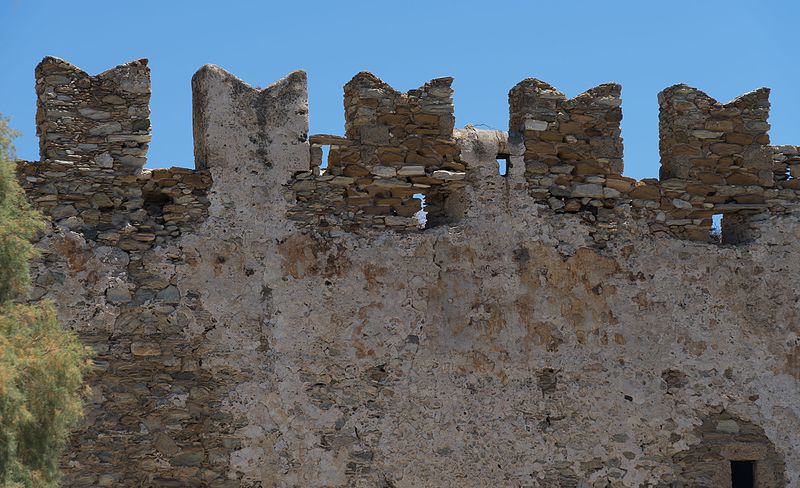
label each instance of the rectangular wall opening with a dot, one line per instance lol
(716, 228)
(318, 154)
(324, 163)
(743, 474)
(503, 163)
(421, 215)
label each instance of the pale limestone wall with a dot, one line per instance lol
(517, 347)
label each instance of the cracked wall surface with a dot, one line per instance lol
(519, 345)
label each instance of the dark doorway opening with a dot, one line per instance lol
(743, 474)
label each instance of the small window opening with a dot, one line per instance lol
(732, 228)
(716, 228)
(743, 474)
(502, 164)
(324, 164)
(421, 215)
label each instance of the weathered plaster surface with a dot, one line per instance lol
(509, 349)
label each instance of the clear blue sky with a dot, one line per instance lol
(725, 48)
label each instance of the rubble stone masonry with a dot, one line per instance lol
(271, 319)
(399, 148)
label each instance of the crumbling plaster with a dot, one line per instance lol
(508, 349)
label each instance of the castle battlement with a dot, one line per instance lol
(401, 149)
(100, 121)
(405, 315)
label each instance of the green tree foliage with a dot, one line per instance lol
(18, 224)
(41, 365)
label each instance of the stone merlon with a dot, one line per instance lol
(406, 314)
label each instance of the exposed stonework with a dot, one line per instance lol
(94, 132)
(101, 120)
(715, 143)
(253, 329)
(399, 147)
(568, 141)
(716, 159)
(724, 438)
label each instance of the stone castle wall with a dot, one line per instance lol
(262, 320)
(398, 146)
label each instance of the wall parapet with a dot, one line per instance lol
(257, 318)
(701, 138)
(399, 149)
(94, 133)
(100, 121)
(715, 160)
(399, 162)
(567, 140)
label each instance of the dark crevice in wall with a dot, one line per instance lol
(154, 203)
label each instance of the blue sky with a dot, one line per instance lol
(725, 48)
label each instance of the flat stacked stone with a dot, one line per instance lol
(233, 349)
(701, 138)
(397, 146)
(93, 133)
(94, 121)
(716, 159)
(786, 166)
(571, 146)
